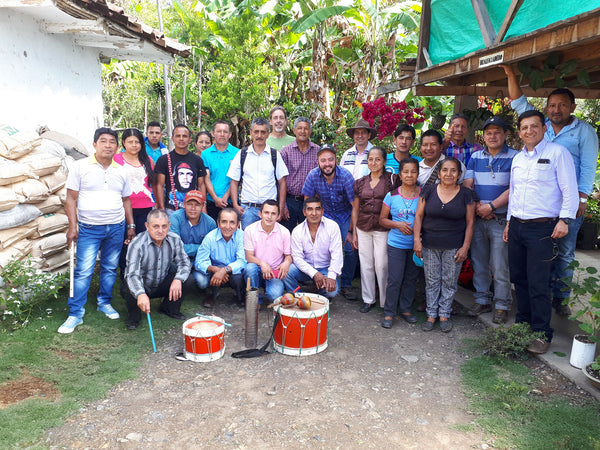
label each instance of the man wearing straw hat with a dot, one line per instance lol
(150, 273)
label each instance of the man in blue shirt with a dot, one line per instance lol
(221, 258)
(217, 159)
(404, 138)
(154, 148)
(334, 185)
(581, 140)
(542, 202)
(192, 226)
(488, 174)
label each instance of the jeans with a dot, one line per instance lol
(250, 215)
(108, 239)
(295, 208)
(372, 251)
(213, 210)
(273, 287)
(489, 251)
(566, 254)
(530, 252)
(350, 255)
(441, 280)
(134, 314)
(236, 282)
(296, 276)
(402, 281)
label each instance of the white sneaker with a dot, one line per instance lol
(110, 312)
(69, 325)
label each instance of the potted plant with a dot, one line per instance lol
(588, 233)
(585, 302)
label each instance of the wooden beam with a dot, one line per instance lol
(81, 26)
(496, 91)
(24, 3)
(110, 42)
(424, 33)
(485, 23)
(403, 83)
(508, 19)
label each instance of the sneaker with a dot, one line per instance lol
(500, 316)
(69, 325)
(478, 308)
(538, 346)
(427, 325)
(366, 307)
(110, 312)
(560, 308)
(445, 326)
(387, 323)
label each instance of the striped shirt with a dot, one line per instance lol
(148, 264)
(299, 165)
(356, 162)
(491, 174)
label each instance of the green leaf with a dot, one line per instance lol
(524, 67)
(561, 354)
(568, 67)
(587, 328)
(591, 270)
(536, 80)
(552, 60)
(316, 17)
(559, 81)
(583, 78)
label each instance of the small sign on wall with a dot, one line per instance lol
(490, 60)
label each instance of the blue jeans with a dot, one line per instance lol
(273, 287)
(530, 252)
(401, 282)
(108, 239)
(202, 281)
(296, 276)
(350, 255)
(441, 280)
(250, 215)
(295, 208)
(566, 254)
(488, 250)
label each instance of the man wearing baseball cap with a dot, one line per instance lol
(488, 174)
(192, 225)
(334, 185)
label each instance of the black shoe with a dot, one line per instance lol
(560, 308)
(132, 326)
(172, 315)
(387, 323)
(366, 307)
(348, 293)
(409, 318)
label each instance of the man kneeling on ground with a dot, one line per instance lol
(221, 259)
(316, 250)
(157, 266)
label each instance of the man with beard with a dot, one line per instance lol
(178, 172)
(334, 185)
(300, 157)
(582, 142)
(216, 159)
(278, 122)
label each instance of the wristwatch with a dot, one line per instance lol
(566, 220)
(582, 199)
(492, 206)
(228, 270)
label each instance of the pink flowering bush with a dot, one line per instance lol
(385, 118)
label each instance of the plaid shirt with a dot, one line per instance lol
(299, 165)
(336, 197)
(464, 152)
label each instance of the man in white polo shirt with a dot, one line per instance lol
(97, 206)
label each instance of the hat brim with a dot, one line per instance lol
(350, 131)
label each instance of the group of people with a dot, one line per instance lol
(283, 211)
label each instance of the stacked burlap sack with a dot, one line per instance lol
(33, 222)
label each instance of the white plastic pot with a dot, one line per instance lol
(582, 353)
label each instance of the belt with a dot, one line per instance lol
(498, 217)
(299, 198)
(537, 220)
(253, 205)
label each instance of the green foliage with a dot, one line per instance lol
(552, 67)
(585, 300)
(23, 288)
(502, 393)
(508, 342)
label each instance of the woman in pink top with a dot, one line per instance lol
(140, 171)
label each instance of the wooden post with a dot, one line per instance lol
(200, 93)
(168, 103)
(183, 111)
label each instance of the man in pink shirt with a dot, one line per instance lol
(268, 251)
(316, 250)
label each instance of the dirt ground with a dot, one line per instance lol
(372, 388)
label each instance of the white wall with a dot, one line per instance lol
(47, 79)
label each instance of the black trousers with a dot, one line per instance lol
(236, 282)
(134, 314)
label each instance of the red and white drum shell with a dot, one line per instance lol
(204, 339)
(302, 332)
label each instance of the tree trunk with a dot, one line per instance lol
(199, 94)
(318, 83)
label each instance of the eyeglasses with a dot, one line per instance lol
(554, 249)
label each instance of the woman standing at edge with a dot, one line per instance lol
(443, 230)
(368, 236)
(140, 172)
(402, 271)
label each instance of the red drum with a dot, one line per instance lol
(301, 332)
(204, 339)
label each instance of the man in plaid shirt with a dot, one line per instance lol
(455, 139)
